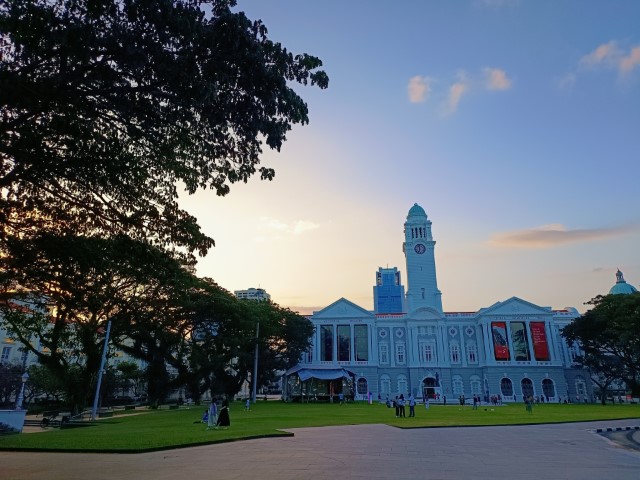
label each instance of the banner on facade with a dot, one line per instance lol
(500, 345)
(539, 337)
(520, 342)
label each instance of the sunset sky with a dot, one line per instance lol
(514, 124)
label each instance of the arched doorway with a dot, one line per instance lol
(548, 389)
(430, 388)
(527, 388)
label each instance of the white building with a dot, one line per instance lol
(409, 345)
(258, 294)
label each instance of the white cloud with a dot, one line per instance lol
(631, 61)
(496, 79)
(273, 228)
(456, 91)
(605, 54)
(567, 81)
(548, 236)
(418, 89)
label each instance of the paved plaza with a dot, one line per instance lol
(534, 452)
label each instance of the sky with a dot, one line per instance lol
(515, 124)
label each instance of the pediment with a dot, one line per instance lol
(515, 306)
(343, 308)
(425, 313)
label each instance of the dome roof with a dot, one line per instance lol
(416, 211)
(621, 287)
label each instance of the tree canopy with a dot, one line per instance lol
(109, 105)
(609, 335)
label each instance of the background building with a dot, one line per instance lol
(252, 294)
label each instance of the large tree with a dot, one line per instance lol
(108, 106)
(609, 335)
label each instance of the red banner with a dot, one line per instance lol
(539, 337)
(500, 345)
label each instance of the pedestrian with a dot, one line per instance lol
(341, 398)
(412, 406)
(426, 402)
(224, 420)
(444, 399)
(528, 402)
(247, 405)
(475, 402)
(212, 417)
(402, 405)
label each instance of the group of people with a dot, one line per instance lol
(215, 418)
(399, 404)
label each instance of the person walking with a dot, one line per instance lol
(426, 402)
(402, 405)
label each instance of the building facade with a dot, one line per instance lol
(409, 345)
(258, 294)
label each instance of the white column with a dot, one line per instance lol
(463, 351)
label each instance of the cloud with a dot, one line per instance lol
(549, 236)
(567, 81)
(418, 89)
(456, 91)
(631, 61)
(496, 79)
(273, 228)
(611, 56)
(606, 54)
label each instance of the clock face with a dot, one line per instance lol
(420, 249)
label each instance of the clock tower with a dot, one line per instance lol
(418, 250)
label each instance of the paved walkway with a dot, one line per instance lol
(563, 452)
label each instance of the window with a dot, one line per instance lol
(506, 387)
(476, 385)
(362, 386)
(548, 389)
(402, 385)
(326, 343)
(574, 351)
(458, 386)
(527, 387)
(6, 351)
(454, 353)
(385, 385)
(344, 343)
(383, 350)
(581, 387)
(361, 333)
(426, 352)
(401, 356)
(307, 357)
(472, 353)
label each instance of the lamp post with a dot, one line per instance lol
(24, 378)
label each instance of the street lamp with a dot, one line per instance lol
(24, 378)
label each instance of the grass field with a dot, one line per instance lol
(147, 430)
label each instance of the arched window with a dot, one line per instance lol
(458, 386)
(402, 385)
(362, 386)
(476, 385)
(454, 353)
(385, 385)
(472, 353)
(527, 387)
(506, 387)
(548, 389)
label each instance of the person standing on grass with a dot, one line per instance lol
(426, 402)
(341, 398)
(412, 406)
(223, 417)
(247, 405)
(212, 418)
(402, 404)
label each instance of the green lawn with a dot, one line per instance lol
(163, 429)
